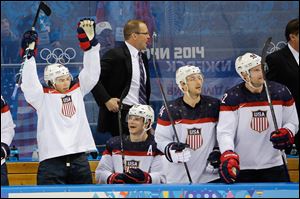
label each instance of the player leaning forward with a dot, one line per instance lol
(63, 131)
(246, 133)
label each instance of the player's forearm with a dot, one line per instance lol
(90, 73)
(31, 85)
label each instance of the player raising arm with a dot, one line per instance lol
(63, 132)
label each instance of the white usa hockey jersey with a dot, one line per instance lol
(7, 125)
(63, 127)
(143, 155)
(245, 124)
(196, 127)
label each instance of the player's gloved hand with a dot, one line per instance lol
(116, 178)
(214, 158)
(177, 152)
(229, 167)
(29, 40)
(86, 34)
(137, 176)
(282, 139)
(5, 151)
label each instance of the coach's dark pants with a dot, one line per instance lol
(274, 174)
(4, 179)
(69, 169)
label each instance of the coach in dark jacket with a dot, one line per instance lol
(124, 79)
(284, 65)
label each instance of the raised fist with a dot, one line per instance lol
(29, 43)
(86, 34)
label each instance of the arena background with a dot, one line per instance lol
(208, 34)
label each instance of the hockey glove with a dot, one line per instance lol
(214, 158)
(282, 139)
(229, 168)
(5, 151)
(177, 152)
(86, 34)
(116, 178)
(137, 176)
(29, 43)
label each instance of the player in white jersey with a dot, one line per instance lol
(246, 133)
(195, 116)
(7, 134)
(135, 159)
(63, 132)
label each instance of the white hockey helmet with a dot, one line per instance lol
(104, 25)
(245, 62)
(53, 71)
(144, 111)
(185, 71)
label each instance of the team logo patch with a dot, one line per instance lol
(194, 138)
(68, 108)
(259, 121)
(131, 164)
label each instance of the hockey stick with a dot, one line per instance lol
(154, 36)
(47, 11)
(121, 134)
(121, 129)
(263, 64)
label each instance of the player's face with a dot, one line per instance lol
(62, 83)
(256, 76)
(194, 83)
(135, 124)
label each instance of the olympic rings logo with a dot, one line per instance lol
(58, 55)
(276, 47)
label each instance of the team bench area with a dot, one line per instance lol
(24, 173)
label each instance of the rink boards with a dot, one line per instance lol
(241, 190)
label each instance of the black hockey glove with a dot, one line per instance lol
(86, 34)
(30, 41)
(214, 158)
(137, 176)
(282, 139)
(5, 151)
(116, 178)
(177, 152)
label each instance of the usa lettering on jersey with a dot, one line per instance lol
(131, 164)
(194, 138)
(259, 121)
(68, 108)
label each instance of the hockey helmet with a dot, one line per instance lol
(144, 111)
(245, 62)
(53, 71)
(185, 71)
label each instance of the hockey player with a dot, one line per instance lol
(7, 134)
(141, 161)
(63, 132)
(195, 116)
(245, 132)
